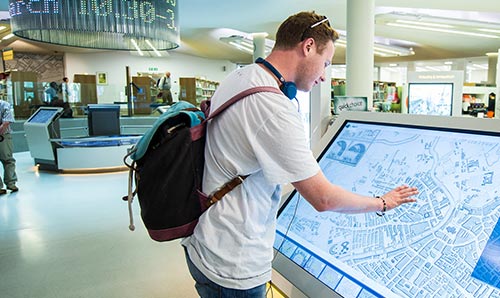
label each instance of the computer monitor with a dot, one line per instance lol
(103, 119)
(445, 245)
(430, 98)
(44, 115)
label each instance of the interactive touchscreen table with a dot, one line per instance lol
(445, 245)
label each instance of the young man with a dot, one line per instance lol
(230, 252)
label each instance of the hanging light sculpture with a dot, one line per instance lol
(98, 24)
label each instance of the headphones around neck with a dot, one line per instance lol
(288, 88)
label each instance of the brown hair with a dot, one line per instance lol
(297, 28)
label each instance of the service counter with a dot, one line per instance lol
(64, 144)
(93, 153)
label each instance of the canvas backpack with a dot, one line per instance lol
(166, 166)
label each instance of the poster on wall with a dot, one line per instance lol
(102, 78)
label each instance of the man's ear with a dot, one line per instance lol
(307, 45)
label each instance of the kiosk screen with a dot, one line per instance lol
(445, 245)
(43, 116)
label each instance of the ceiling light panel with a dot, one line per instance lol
(440, 24)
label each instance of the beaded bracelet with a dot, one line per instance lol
(384, 208)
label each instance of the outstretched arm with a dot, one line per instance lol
(325, 196)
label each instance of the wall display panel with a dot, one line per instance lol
(430, 98)
(445, 245)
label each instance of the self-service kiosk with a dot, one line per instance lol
(40, 128)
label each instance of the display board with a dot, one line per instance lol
(430, 98)
(445, 245)
(349, 103)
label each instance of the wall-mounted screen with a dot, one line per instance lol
(445, 245)
(103, 120)
(430, 98)
(44, 115)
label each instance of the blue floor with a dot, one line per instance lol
(66, 235)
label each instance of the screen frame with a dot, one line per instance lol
(452, 101)
(114, 120)
(56, 113)
(303, 280)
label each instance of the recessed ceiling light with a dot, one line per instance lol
(442, 30)
(10, 35)
(489, 30)
(425, 24)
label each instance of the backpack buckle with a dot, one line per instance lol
(220, 192)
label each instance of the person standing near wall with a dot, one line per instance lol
(7, 149)
(164, 86)
(51, 92)
(64, 89)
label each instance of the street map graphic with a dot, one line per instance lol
(445, 245)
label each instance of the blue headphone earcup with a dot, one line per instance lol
(289, 89)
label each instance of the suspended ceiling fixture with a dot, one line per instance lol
(114, 24)
(440, 24)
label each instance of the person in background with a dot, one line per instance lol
(64, 89)
(51, 92)
(231, 249)
(164, 85)
(7, 149)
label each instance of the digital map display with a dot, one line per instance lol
(445, 245)
(430, 98)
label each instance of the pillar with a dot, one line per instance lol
(492, 67)
(259, 45)
(497, 93)
(359, 52)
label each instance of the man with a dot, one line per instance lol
(230, 252)
(7, 149)
(64, 89)
(164, 85)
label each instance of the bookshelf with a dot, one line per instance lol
(195, 90)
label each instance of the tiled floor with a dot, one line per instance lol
(66, 235)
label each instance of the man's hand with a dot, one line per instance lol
(400, 195)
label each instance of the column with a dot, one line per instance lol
(492, 67)
(497, 94)
(259, 45)
(359, 52)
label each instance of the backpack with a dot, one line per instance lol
(167, 168)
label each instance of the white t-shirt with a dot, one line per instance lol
(261, 135)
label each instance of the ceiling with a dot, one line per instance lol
(202, 24)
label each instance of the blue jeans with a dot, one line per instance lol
(208, 289)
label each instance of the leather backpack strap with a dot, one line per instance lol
(220, 192)
(242, 95)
